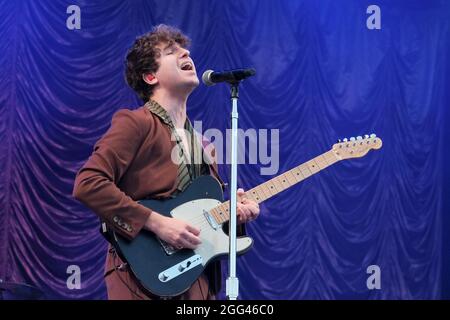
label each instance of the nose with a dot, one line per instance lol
(185, 53)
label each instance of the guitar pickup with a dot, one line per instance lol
(169, 249)
(212, 222)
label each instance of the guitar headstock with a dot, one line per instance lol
(356, 147)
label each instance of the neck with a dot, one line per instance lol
(174, 105)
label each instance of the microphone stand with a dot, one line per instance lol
(232, 282)
(233, 77)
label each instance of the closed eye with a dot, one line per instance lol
(170, 50)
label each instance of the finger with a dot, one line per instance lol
(245, 219)
(246, 215)
(192, 238)
(242, 211)
(254, 209)
(254, 215)
(252, 206)
(193, 230)
(240, 195)
(240, 215)
(247, 201)
(187, 244)
(246, 210)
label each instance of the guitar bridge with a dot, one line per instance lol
(169, 249)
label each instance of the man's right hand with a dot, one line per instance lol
(175, 232)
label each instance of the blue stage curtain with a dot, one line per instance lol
(321, 75)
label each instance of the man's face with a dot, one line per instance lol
(176, 69)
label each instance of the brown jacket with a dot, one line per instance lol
(132, 161)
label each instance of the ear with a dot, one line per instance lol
(150, 78)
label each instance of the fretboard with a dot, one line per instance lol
(278, 184)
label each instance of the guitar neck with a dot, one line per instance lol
(278, 184)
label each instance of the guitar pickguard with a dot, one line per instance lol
(214, 241)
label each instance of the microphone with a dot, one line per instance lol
(210, 77)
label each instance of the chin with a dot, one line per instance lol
(194, 82)
(189, 86)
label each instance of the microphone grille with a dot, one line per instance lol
(206, 78)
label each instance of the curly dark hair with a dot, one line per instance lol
(141, 57)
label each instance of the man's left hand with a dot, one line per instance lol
(247, 210)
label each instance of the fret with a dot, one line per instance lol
(263, 193)
(221, 217)
(290, 178)
(295, 177)
(324, 160)
(251, 194)
(327, 161)
(266, 190)
(305, 171)
(329, 158)
(254, 195)
(259, 191)
(320, 166)
(269, 190)
(276, 184)
(227, 211)
(321, 163)
(312, 166)
(284, 181)
(272, 187)
(213, 212)
(298, 173)
(333, 157)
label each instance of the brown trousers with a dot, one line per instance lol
(121, 284)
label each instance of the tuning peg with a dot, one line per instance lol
(366, 136)
(358, 138)
(339, 141)
(345, 140)
(352, 139)
(373, 135)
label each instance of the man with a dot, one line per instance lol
(134, 160)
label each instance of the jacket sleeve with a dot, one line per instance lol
(96, 184)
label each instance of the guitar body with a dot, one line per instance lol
(161, 269)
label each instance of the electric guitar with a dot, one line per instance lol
(165, 271)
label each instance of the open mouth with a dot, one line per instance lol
(187, 66)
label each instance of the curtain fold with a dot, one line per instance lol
(321, 75)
